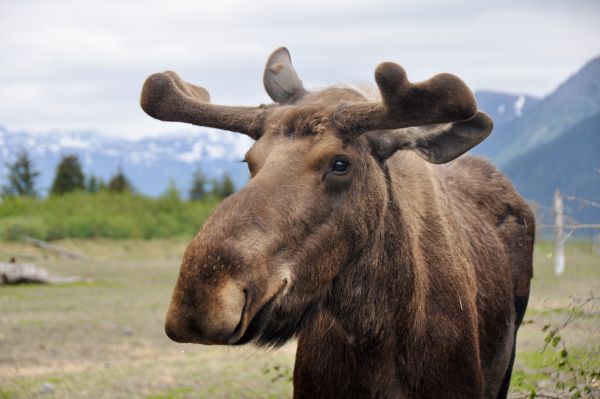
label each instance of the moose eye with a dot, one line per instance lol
(340, 166)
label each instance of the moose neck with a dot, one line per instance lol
(402, 303)
(384, 287)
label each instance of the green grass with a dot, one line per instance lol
(7, 394)
(104, 214)
(522, 381)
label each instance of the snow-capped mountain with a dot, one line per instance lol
(149, 162)
(504, 107)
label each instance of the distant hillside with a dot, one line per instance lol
(573, 101)
(571, 162)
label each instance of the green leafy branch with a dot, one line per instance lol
(573, 379)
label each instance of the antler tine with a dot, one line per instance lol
(167, 97)
(442, 99)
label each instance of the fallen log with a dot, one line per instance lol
(19, 273)
(53, 248)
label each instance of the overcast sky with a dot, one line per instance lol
(79, 65)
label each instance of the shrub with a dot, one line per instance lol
(14, 228)
(104, 214)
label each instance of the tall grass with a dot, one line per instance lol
(104, 214)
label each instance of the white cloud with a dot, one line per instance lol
(80, 65)
(73, 142)
(194, 155)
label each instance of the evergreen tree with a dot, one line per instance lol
(119, 183)
(223, 188)
(69, 176)
(21, 177)
(94, 184)
(215, 188)
(198, 189)
(227, 187)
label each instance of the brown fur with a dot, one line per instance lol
(400, 278)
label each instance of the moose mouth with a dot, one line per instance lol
(251, 325)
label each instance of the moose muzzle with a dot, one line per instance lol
(206, 315)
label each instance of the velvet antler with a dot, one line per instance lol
(435, 143)
(167, 97)
(443, 98)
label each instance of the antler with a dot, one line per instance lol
(443, 98)
(435, 143)
(167, 97)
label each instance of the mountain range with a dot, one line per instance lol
(540, 143)
(571, 162)
(573, 101)
(553, 143)
(150, 163)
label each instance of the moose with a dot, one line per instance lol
(402, 268)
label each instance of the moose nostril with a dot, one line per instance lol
(239, 329)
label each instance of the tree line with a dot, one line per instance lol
(69, 177)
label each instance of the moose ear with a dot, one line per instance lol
(434, 143)
(280, 79)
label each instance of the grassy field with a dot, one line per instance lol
(103, 338)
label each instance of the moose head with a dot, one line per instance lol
(266, 262)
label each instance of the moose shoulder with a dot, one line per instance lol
(402, 274)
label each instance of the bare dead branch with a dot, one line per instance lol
(64, 253)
